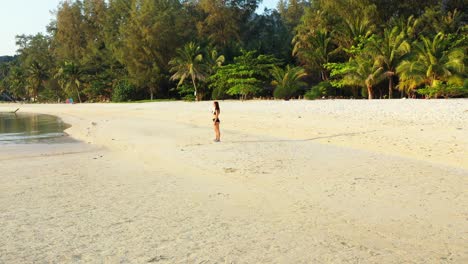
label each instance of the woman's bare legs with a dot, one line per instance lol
(217, 133)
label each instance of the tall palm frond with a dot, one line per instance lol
(69, 76)
(287, 81)
(363, 71)
(189, 64)
(433, 61)
(316, 50)
(213, 59)
(36, 74)
(389, 51)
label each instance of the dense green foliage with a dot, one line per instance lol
(123, 91)
(320, 90)
(287, 81)
(128, 50)
(246, 77)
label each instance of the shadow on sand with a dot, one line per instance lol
(301, 140)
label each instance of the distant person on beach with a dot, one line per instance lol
(216, 112)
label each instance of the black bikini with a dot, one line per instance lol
(216, 120)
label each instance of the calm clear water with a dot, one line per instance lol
(31, 128)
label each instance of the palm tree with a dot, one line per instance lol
(363, 71)
(69, 76)
(355, 28)
(408, 26)
(389, 52)
(213, 60)
(433, 61)
(354, 23)
(36, 74)
(287, 81)
(189, 64)
(412, 75)
(315, 50)
(16, 80)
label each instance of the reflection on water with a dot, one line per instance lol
(30, 128)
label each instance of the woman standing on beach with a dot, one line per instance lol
(216, 112)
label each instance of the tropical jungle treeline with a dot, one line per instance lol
(124, 50)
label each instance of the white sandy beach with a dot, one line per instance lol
(336, 181)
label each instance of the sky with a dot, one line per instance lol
(266, 3)
(23, 17)
(32, 16)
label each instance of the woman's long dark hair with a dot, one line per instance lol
(217, 106)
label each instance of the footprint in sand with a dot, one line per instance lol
(229, 170)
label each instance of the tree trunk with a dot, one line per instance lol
(324, 75)
(390, 87)
(197, 95)
(79, 97)
(35, 93)
(78, 93)
(151, 94)
(370, 92)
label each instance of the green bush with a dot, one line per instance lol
(51, 92)
(219, 93)
(364, 93)
(97, 91)
(48, 95)
(444, 90)
(312, 94)
(186, 92)
(319, 90)
(284, 92)
(123, 91)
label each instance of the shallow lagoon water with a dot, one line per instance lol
(31, 128)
